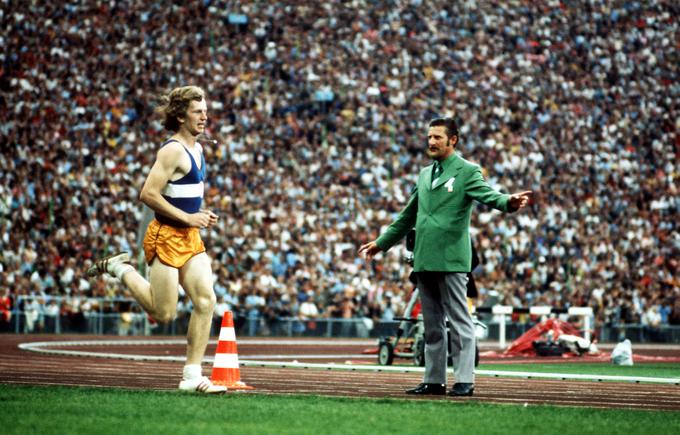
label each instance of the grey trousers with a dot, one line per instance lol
(444, 295)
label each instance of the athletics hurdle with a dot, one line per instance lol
(503, 311)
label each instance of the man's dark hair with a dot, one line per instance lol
(448, 123)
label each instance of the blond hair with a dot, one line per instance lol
(175, 104)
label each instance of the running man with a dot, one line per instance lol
(172, 245)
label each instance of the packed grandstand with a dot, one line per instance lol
(317, 131)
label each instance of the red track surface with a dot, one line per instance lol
(24, 367)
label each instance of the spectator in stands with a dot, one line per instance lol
(309, 311)
(6, 306)
(221, 307)
(651, 320)
(308, 308)
(254, 305)
(674, 316)
(33, 315)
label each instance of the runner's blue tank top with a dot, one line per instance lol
(186, 193)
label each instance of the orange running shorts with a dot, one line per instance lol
(173, 246)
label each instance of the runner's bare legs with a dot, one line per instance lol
(159, 296)
(196, 278)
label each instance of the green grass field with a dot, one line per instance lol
(66, 410)
(647, 369)
(652, 370)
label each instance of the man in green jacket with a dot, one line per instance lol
(440, 209)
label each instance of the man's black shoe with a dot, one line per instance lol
(431, 389)
(461, 389)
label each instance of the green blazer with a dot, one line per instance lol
(440, 212)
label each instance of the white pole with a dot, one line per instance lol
(501, 311)
(586, 313)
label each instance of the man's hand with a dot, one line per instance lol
(202, 219)
(520, 200)
(369, 250)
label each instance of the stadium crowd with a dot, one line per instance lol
(317, 128)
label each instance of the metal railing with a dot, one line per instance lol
(105, 318)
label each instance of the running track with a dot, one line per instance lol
(24, 367)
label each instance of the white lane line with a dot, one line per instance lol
(44, 347)
(305, 356)
(184, 342)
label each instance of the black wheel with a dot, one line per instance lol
(385, 353)
(419, 353)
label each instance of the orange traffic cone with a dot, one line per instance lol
(225, 367)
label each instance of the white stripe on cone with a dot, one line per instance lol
(226, 361)
(227, 334)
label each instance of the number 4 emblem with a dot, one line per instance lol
(449, 184)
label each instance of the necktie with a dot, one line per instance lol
(436, 170)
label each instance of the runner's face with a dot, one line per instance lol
(196, 118)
